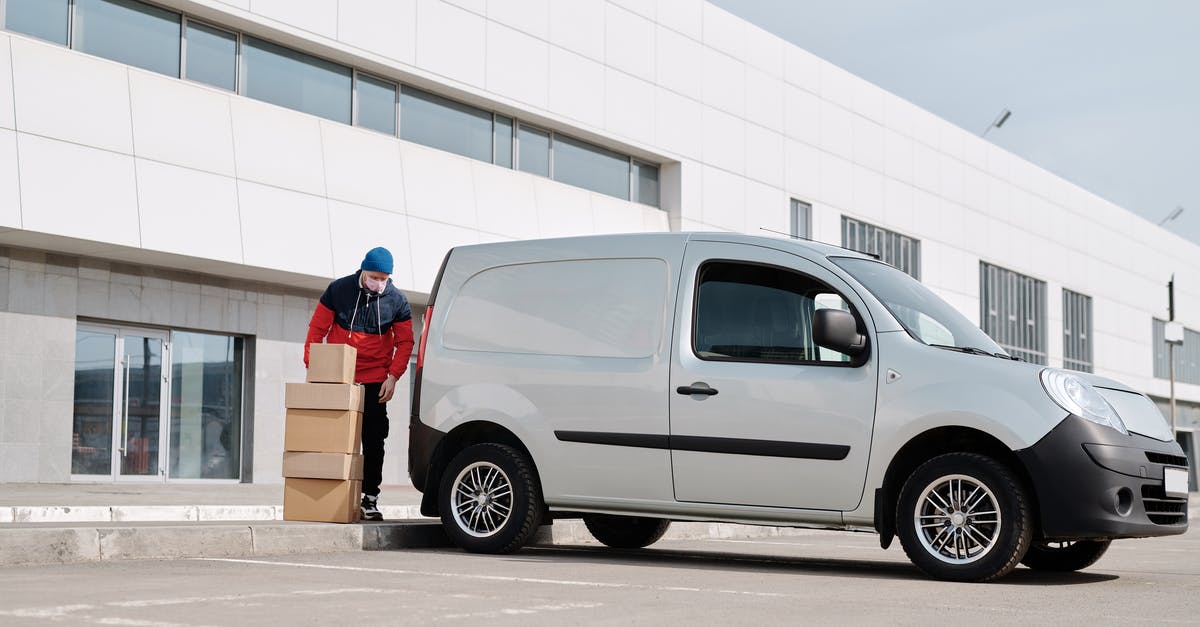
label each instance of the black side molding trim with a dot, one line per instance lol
(701, 444)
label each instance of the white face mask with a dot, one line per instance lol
(374, 285)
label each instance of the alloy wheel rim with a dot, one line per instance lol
(957, 519)
(482, 499)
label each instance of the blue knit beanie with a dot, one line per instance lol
(378, 259)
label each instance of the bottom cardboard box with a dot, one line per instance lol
(321, 500)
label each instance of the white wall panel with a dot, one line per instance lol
(724, 31)
(682, 16)
(837, 130)
(355, 229)
(764, 99)
(517, 65)
(837, 85)
(724, 200)
(451, 41)
(764, 155)
(898, 208)
(613, 215)
(504, 201)
(767, 207)
(10, 197)
(7, 119)
(315, 16)
(181, 123)
(802, 69)
(438, 185)
(926, 168)
(51, 84)
(579, 26)
(678, 124)
(868, 143)
(629, 42)
(868, 193)
(189, 212)
(528, 16)
(764, 51)
(562, 210)
(76, 191)
(868, 100)
(362, 166)
(898, 114)
(837, 181)
(950, 171)
(384, 28)
(284, 230)
(802, 115)
(276, 146)
(724, 82)
(575, 82)
(474, 6)
(724, 140)
(802, 172)
(679, 63)
(629, 106)
(897, 155)
(430, 241)
(655, 220)
(641, 7)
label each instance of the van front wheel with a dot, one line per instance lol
(490, 499)
(964, 517)
(626, 532)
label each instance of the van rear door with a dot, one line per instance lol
(759, 415)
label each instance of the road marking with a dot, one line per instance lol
(768, 542)
(524, 611)
(556, 582)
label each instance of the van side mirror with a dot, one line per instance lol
(838, 330)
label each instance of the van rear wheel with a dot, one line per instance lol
(625, 532)
(1064, 557)
(964, 517)
(490, 499)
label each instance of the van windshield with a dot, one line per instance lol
(926, 316)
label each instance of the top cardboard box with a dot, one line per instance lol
(323, 396)
(331, 363)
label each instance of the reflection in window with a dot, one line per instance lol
(91, 433)
(533, 151)
(206, 406)
(645, 181)
(503, 155)
(211, 56)
(441, 123)
(295, 80)
(129, 32)
(759, 313)
(591, 167)
(44, 19)
(376, 104)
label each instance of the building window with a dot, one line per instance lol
(801, 220)
(591, 167)
(533, 151)
(1013, 311)
(295, 80)
(901, 251)
(206, 406)
(645, 183)
(502, 141)
(1077, 331)
(210, 56)
(44, 19)
(375, 104)
(444, 124)
(1187, 356)
(130, 32)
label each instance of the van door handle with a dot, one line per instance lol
(696, 388)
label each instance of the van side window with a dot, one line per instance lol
(747, 312)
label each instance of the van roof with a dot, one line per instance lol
(826, 250)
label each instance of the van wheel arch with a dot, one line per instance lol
(461, 437)
(933, 443)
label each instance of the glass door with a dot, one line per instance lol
(120, 384)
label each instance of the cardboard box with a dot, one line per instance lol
(321, 500)
(337, 396)
(322, 466)
(322, 431)
(331, 363)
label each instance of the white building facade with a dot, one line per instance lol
(180, 179)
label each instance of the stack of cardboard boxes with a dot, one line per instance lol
(322, 467)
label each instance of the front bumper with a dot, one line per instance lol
(1092, 482)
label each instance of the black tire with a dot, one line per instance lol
(957, 497)
(491, 501)
(626, 532)
(1064, 557)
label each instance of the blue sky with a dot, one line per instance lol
(1104, 93)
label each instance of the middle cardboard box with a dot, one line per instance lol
(307, 465)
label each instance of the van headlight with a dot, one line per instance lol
(1077, 396)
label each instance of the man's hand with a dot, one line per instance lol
(387, 389)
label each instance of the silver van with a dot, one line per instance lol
(632, 380)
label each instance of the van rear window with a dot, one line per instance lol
(586, 308)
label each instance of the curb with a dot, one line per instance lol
(166, 513)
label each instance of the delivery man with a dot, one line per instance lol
(367, 312)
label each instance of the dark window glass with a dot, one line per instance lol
(295, 80)
(591, 167)
(503, 142)
(376, 104)
(91, 438)
(211, 56)
(44, 19)
(760, 313)
(533, 151)
(206, 406)
(899, 251)
(129, 32)
(645, 180)
(444, 124)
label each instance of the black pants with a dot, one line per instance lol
(374, 432)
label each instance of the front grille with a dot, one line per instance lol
(1162, 509)
(1163, 458)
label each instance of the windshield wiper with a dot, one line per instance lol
(973, 351)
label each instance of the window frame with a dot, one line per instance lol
(794, 210)
(1016, 339)
(854, 361)
(355, 73)
(237, 53)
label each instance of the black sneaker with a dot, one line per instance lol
(370, 508)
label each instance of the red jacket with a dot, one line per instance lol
(378, 325)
